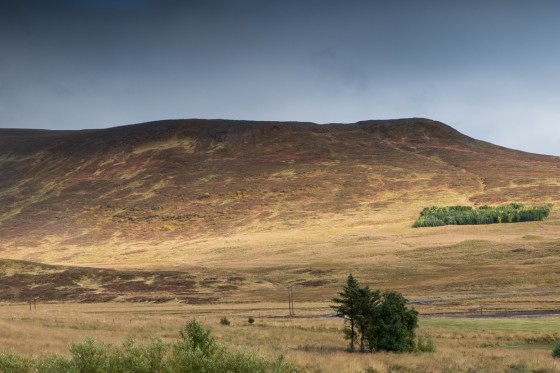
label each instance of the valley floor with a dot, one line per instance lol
(310, 340)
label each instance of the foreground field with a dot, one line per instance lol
(310, 340)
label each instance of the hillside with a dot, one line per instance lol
(245, 197)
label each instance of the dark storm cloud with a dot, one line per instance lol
(490, 69)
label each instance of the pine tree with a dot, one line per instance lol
(366, 308)
(347, 306)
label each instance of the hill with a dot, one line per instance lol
(234, 197)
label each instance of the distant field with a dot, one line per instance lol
(455, 262)
(549, 325)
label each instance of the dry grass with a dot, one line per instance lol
(256, 266)
(314, 343)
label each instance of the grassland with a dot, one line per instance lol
(167, 221)
(246, 275)
(309, 340)
(450, 262)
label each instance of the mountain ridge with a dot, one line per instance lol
(178, 181)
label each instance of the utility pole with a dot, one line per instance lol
(293, 312)
(290, 301)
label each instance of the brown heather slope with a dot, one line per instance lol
(275, 202)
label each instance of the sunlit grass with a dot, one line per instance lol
(529, 324)
(311, 341)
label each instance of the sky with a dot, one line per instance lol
(490, 69)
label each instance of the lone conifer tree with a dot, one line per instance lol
(347, 306)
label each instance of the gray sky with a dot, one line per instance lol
(490, 69)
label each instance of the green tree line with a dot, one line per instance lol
(465, 215)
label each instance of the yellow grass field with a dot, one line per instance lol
(313, 342)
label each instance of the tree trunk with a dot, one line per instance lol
(351, 334)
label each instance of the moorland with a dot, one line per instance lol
(134, 229)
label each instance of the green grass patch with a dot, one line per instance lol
(544, 324)
(530, 347)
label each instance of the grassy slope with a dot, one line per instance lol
(269, 204)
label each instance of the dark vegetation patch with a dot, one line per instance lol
(467, 215)
(312, 283)
(209, 282)
(22, 281)
(519, 250)
(226, 287)
(313, 272)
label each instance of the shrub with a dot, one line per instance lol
(90, 356)
(12, 363)
(197, 351)
(425, 344)
(139, 358)
(54, 363)
(556, 350)
(224, 321)
(195, 337)
(250, 320)
(394, 324)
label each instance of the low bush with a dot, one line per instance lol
(425, 344)
(225, 321)
(90, 356)
(556, 350)
(12, 363)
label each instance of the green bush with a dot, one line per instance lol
(197, 351)
(54, 363)
(394, 324)
(90, 356)
(250, 320)
(139, 358)
(556, 350)
(224, 321)
(12, 363)
(425, 344)
(195, 337)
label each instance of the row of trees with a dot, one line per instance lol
(375, 320)
(462, 215)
